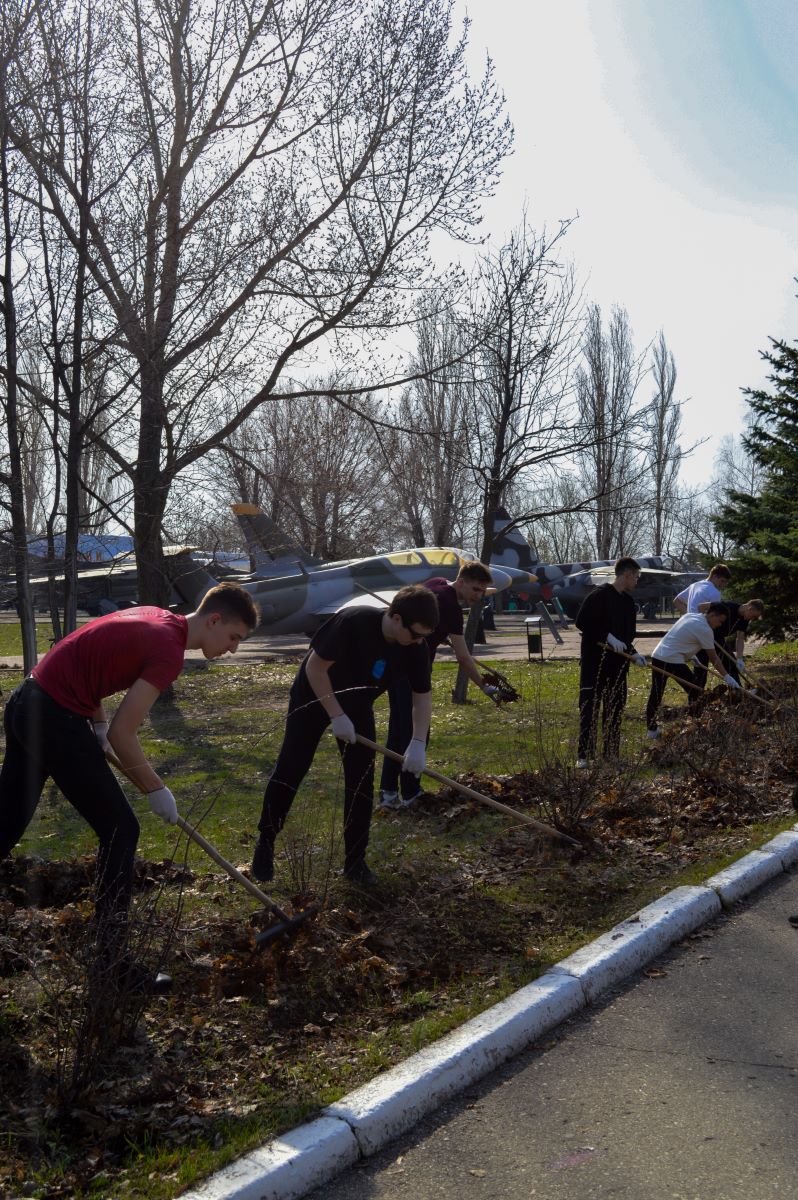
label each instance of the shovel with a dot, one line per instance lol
(285, 925)
(474, 795)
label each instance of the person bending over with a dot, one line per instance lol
(353, 658)
(56, 728)
(399, 787)
(692, 633)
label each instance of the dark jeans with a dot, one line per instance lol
(602, 694)
(304, 726)
(683, 675)
(400, 732)
(45, 740)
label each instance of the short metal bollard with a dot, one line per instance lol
(534, 637)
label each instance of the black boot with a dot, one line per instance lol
(263, 860)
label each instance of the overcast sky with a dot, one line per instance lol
(671, 128)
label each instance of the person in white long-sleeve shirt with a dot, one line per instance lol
(696, 598)
(691, 634)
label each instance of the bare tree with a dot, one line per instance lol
(254, 181)
(662, 420)
(426, 455)
(314, 466)
(609, 463)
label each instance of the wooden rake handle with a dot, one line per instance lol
(210, 850)
(681, 682)
(474, 795)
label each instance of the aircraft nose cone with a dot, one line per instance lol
(501, 579)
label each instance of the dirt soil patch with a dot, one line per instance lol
(252, 1041)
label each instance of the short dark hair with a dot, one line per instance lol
(721, 569)
(415, 603)
(626, 564)
(232, 603)
(475, 571)
(716, 609)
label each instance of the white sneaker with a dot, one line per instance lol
(581, 763)
(389, 800)
(653, 734)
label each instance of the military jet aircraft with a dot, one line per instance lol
(660, 578)
(298, 600)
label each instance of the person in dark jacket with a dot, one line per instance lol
(607, 618)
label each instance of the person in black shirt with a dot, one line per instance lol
(469, 588)
(730, 636)
(352, 659)
(607, 615)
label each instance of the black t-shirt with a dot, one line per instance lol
(606, 611)
(733, 624)
(450, 614)
(364, 663)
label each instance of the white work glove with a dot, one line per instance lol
(101, 734)
(163, 804)
(730, 681)
(415, 758)
(740, 664)
(640, 659)
(616, 644)
(343, 729)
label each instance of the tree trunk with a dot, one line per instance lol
(151, 492)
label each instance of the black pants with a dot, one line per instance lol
(683, 675)
(304, 726)
(400, 732)
(602, 694)
(45, 740)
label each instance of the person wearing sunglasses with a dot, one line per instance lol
(354, 657)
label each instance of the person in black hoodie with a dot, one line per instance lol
(607, 618)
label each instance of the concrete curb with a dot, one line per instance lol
(360, 1124)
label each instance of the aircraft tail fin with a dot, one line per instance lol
(510, 547)
(190, 582)
(270, 548)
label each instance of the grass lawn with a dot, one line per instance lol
(472, 904)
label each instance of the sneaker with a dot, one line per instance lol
(653, 734)
(263, 860)
(134, 977)
(361, 875)
(389, 800)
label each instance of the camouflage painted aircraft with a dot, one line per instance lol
(571, 582)
(298, 600)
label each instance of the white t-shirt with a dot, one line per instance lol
(685, 638)
(699, 593)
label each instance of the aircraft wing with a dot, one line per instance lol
(377, 599)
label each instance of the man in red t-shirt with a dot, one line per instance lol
(56, 728)
(398, 787)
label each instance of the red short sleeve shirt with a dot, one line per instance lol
(109, 654)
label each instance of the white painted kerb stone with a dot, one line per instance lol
(393, 1102)
(288, 1167)
(633, 943)
(745, 875)
(785, 845)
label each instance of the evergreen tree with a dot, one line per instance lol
(765, 527)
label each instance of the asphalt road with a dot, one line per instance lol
(681, 1086)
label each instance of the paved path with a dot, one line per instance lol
(507, 643)
(683, 1085)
